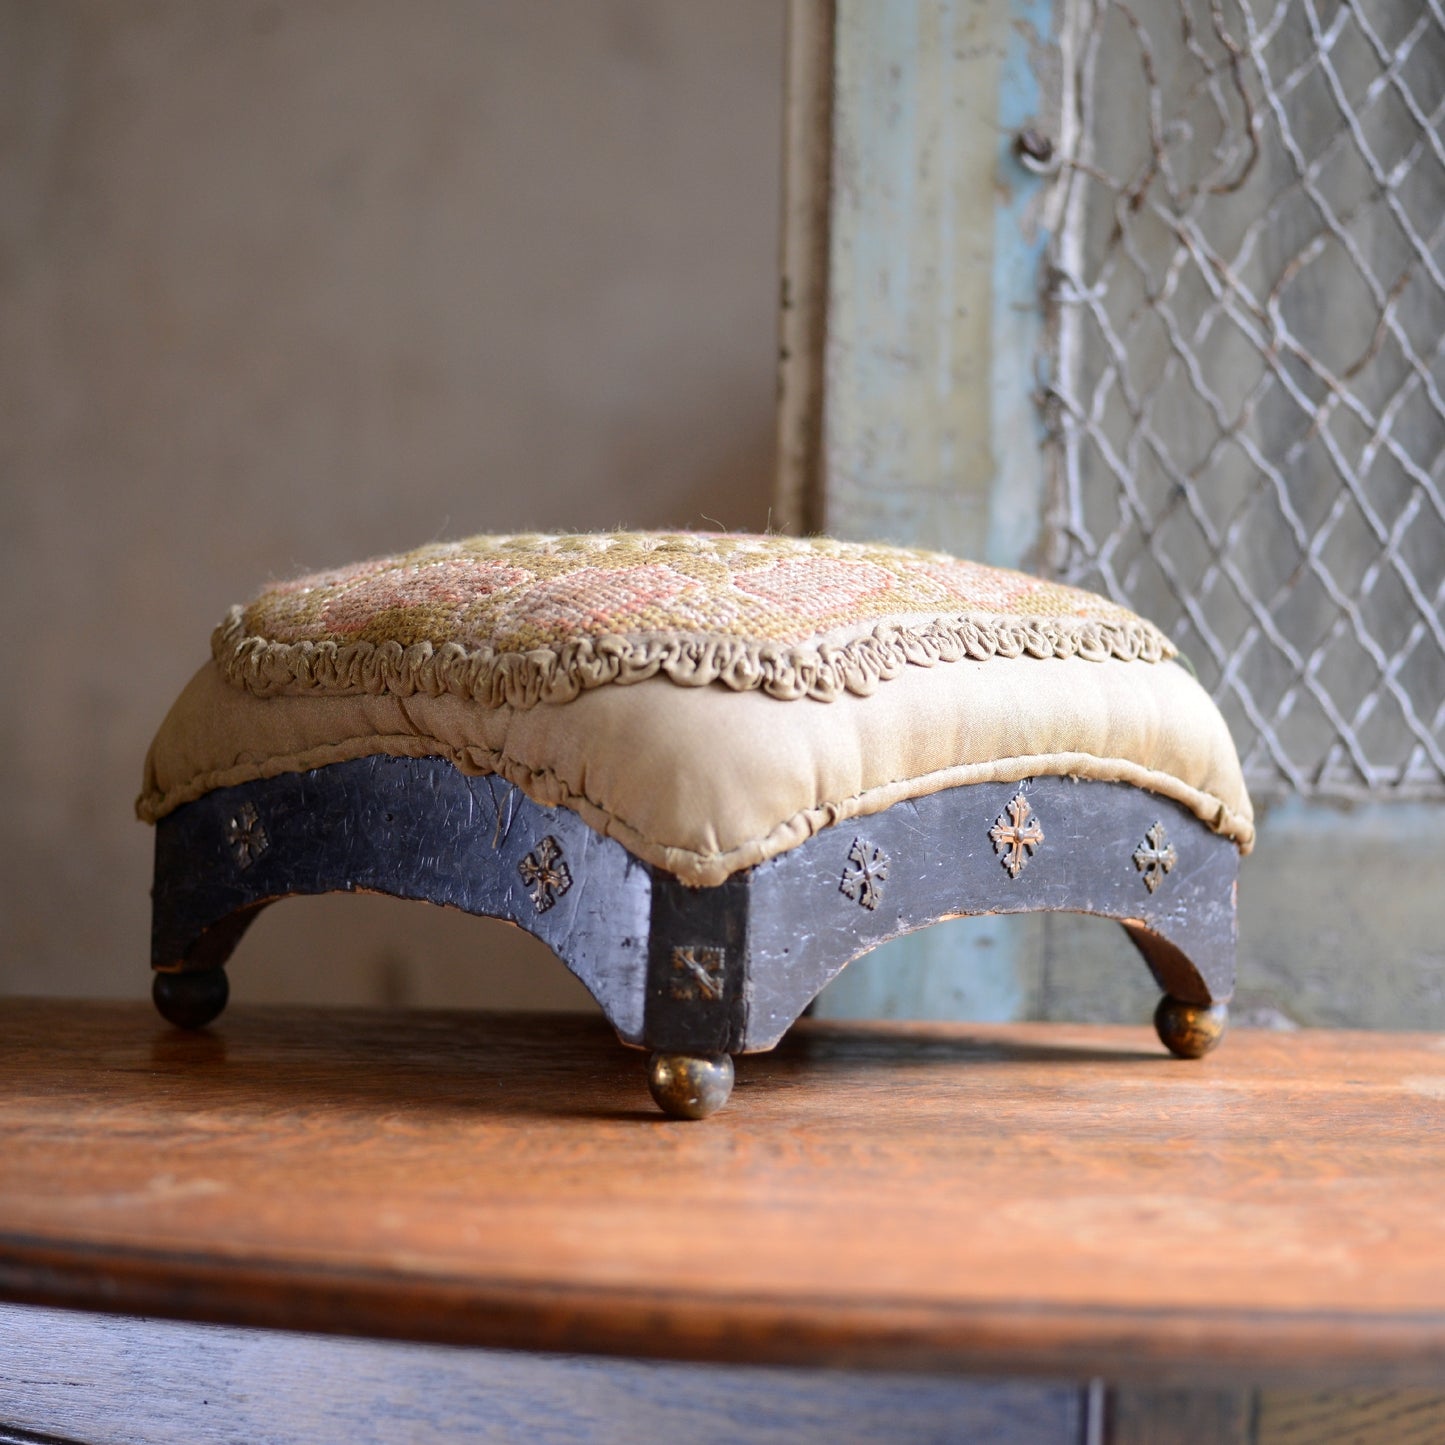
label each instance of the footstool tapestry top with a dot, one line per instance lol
(525, 619)
(709, 700)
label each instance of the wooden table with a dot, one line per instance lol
(1029, 1200)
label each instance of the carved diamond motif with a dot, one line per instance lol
(246, 836)
(865, 874)
(699, 970)
(1016, 833)
(544, 872)
(1155, 857)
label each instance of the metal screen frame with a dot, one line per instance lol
(1245, 383)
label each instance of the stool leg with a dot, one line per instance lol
(1190, 1030)
(690, 1086)
(192, 999)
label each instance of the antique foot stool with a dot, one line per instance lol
(707, 770)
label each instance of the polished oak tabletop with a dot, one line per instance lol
(1039, 1198)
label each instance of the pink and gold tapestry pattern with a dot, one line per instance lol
(530, 618)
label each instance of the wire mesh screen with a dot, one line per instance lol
(1246, 401)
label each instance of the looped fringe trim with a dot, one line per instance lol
(823, 671)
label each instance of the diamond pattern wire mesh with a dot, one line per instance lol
(1248, 298)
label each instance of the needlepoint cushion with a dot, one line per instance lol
(708, 699)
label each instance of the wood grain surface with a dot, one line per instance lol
(1066, 1201)
(107, 1380)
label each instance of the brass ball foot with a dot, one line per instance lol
(689, 1086)
(191, 1000)
(1190, 1030)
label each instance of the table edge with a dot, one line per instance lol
(1037, 1338)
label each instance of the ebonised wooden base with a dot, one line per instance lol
(697, 975)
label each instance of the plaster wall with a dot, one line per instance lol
(288, 285)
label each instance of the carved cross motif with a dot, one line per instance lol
(701, 971)
(246, 836)
(1016, 833)
(865, 875)
(544, 872)
(1155, 856)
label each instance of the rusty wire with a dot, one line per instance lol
(1245, 385)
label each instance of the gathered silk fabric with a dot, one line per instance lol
(706, 780)
(709, 700)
